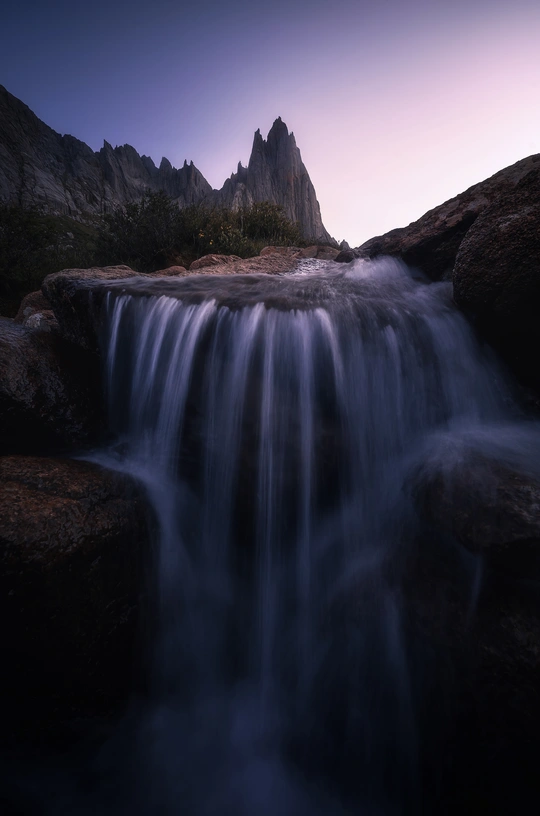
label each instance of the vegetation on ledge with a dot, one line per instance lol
(147, 235)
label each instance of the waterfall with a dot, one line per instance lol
(274, 422)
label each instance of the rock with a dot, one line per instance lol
(35, 312)
(347, 255)
(324, 252)
(478, 632)
(474, 608)
(432, 243)
(213, 260)
(50, 391)
(72, 542)
(344, 246)
(497, 276)
(276, 173)
(46, 321)
(76, 297)
(489, 508)
(32, 303)
(170, 272)
(39, 167)
(286, 251)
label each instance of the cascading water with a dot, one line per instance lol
(274, 422)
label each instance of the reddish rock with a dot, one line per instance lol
(213, 260)
(32, 303)
(170, 272)
(286, 251)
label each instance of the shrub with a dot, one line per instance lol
(144, 234)
(33, 245)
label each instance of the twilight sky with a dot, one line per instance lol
(396, 105)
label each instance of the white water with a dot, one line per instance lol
(275, 440)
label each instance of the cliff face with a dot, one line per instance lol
(277, 173)
(63, 175)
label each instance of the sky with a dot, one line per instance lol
(396, 105)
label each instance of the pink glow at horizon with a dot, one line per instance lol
(396, 106)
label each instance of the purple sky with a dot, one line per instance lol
(396, 106)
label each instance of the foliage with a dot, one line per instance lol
(143, 234)
(33, 245)
(147, 235)
(153, 232)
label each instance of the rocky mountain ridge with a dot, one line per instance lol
(39, 167)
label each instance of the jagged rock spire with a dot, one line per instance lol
(40, 167)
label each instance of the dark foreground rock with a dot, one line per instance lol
(474, 590)
(50, 391)
(497, 277)
(72, 541)
(490, 509)
(35, 312)
(70, 294)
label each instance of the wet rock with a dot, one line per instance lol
(347, 255)
(213, 260)
(474, 604)
(77, 295)
(490, 509)
(50, 391)
(72, 538)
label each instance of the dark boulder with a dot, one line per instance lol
(474, 602)
(497, 277)
(50, 391)
(347, 255)
(72, 541)
(76, 297)
(35, 312)
(432, 243)
(489, 508)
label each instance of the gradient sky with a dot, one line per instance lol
(396, 106)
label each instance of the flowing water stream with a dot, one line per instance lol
(274, 422)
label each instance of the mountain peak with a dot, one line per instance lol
(74, 180)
